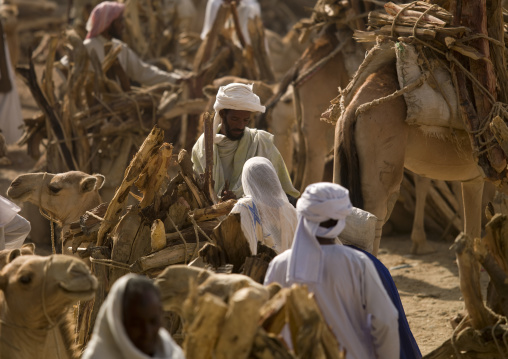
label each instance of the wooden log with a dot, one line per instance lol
(394, 9)
(54, 124)
(273, 312)
(208, 136)
(207, 47)
(189, 233)
(240, 324)
(474, 16)
(215, 211)
(203, 332)
(311, 337)
(175, 254)
(267, 346)
(255, 268)
(213, 256)
(118, 203)
(257, 36)
(495, 29)
(229, 236)
(469, 278)
(153, 174)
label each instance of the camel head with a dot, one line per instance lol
(37, 291)
(65, 196)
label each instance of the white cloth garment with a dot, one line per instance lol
(11, 117)
(346, 285)
(13, 228)
(133, 66)
(267, 205)
(110, 340)
(253, 143)
(319, 202)
(353, 301)
(247, 9)
(230, 156)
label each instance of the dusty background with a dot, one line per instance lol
(428, 285)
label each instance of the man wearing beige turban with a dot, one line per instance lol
(235, 143)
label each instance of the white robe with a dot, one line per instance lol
(11, 117)
(134, 67)
(353, 301)
(13, 234)
(253, 143)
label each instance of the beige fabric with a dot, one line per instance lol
(253, 143)
(426, 105)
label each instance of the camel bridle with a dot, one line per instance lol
(49, 217)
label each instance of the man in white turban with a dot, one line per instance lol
(235, 143)
(346, 285)
(129, 324)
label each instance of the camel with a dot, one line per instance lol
(64, 196)
(372, 149)
(36, 295)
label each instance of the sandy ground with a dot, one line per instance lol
(428, 285)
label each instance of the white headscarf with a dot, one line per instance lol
(278, 216)
(110, 339)
(319, 202)
(234, 96)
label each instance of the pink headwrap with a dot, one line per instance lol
(102, 16)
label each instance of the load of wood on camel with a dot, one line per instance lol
(176, 221)
(460, 71)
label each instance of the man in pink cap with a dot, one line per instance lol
(106, 24)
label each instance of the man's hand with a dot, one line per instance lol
(227, 195)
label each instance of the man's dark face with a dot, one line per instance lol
(233, 123)
(142, 320)
(116, 28)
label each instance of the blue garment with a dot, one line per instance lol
(408, 347)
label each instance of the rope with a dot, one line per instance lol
(492, 332)
(417, 83)
(48, 217)
(181, 237)
(111, 263)
(392, 30)
(195, 225)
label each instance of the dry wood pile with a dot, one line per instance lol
(483, 330)
(175, 221)
(232, 316)
(469, 40)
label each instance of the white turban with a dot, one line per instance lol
(235, 96)
(319, 202)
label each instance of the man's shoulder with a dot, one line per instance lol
(260, 135)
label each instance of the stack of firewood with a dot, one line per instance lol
(175, 221)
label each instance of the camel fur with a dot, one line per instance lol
(372, 148)
(64, 196)
(36, 295)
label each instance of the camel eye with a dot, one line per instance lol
(26, 279)
(54, 190)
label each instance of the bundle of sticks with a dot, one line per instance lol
(173, 221)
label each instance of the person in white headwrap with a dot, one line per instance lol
(266, 214)
(234, 143)
(13, 228)
(129, 324)
(346, 285)
(247, 9)
(106, 24)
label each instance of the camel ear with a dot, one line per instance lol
(88, 184)
(13, 255)
(28, 248)
(100, 181)
(3, 282)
